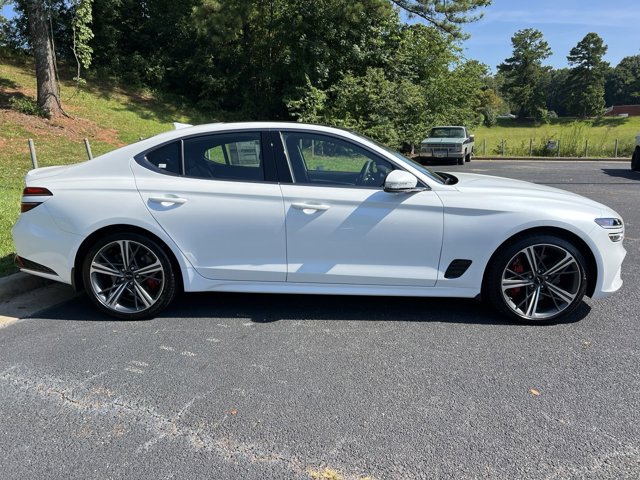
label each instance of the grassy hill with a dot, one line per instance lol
(108, 116)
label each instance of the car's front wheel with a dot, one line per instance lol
(538, 278)
(128, 276)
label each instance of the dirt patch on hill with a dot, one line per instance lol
(71, 128)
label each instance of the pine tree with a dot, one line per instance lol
(585, 86)
(524, 74)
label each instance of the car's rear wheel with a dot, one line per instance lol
(539, 278)
(129, 276)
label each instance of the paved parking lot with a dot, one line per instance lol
(227, 386)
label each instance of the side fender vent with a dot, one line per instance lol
(457, 268)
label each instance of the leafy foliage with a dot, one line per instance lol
(27, 105)
(623, 82)
(397, 104)
(524, 74)
(82, 33)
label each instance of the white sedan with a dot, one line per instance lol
(293, 208)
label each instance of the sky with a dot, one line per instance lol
(562, 22)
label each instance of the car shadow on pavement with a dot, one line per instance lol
(622, 173)
(265, 308)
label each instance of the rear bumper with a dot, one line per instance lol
(48, 250)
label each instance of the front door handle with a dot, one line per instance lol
(310, 208)
(168, 199)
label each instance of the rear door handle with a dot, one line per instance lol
(310, 208)
(168, 199)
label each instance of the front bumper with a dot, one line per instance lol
(440, 153)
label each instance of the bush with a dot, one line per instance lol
(27, 105)
(490, 118)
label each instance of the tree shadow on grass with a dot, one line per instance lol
(159, 107)
(610, 121)
(7, 265)
(6, 85)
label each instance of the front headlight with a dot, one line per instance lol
(609, 222)
(612, 224)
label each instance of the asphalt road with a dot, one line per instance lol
(230, 386)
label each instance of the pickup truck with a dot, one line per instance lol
(448, 142)
(635, 159)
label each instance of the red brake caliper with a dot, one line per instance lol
(516, 267)
(152, 283)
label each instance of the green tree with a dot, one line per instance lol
(447, 16)
(585, 84)
(556, 91)
(82, 33)
(623, 82)
(524, 75)
(397, 104)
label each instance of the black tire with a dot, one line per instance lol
(136, 289)
(461, 161)
(541, 296)
(635, 160)
(468, 157)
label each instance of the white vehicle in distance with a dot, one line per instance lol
(293, 208)
(448, 142)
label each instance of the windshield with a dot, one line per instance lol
(421, 168)
(446, 132)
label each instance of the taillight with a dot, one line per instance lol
(29, 204)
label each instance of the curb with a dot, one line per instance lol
(554, 159)
(19, 283)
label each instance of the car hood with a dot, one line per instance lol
(442, 140)
(507, 187)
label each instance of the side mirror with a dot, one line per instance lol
(399, 181)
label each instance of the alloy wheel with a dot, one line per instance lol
(127, 276)
(541, 281)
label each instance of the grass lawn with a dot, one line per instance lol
(106, 115)
(571, 134)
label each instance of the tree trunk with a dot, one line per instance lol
(48, 93)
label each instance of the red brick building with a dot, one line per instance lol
(631, 110)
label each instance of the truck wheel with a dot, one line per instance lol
(635, 160)
(461, 161)
(467, 158)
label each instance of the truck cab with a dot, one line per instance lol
(452, 141)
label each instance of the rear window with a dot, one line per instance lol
(166, 158)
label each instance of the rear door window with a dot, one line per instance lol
(227, 156)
